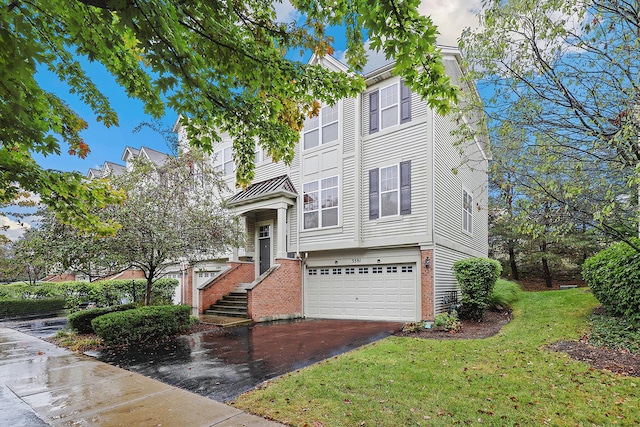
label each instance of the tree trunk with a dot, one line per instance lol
(512, 261)
(545, 266)
(147, 294)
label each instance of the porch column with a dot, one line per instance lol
(282, 233)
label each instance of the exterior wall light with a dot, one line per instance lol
(427, 263)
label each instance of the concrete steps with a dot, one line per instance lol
(234, 304)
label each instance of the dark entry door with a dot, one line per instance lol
(265, 247)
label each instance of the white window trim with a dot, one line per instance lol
(397, 104)
(320, 128)
(467, 213)
(219, 161)
(320, 209)
(397, 191)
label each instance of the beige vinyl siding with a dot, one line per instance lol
(471, 176)
(268, 170)
(407, 142)
(445, 280)
(349, 131)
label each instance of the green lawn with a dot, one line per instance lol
(509, 379)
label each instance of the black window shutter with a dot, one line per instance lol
(373, 112)
(374, 202)
(405, 103)
(405, 187)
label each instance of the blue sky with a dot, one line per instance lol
(107, 144)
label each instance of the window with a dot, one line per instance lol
(390, 190)
(223, 161)
(337, 271)
(313, 272)
(363, 270)
(393, 269)
(264, 231)
(467, 211)
(389, 106)
(376, 270)
(260, 155)
(350, 270)
(321, 129)
(324, 271)
(407, 269)
(321, 200)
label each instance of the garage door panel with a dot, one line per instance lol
(375, 292)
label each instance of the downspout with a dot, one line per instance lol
(433, 207)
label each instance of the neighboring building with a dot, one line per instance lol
(365, 223)
(107, 169)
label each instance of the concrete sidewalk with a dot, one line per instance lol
(44, 385)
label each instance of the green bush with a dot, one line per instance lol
(476, 277)
(142, 324)
(24, 307)
(103, 293)
(614, 277)
(504, 294)
(448, 321)
(80, 321)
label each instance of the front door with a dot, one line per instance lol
(264, 237)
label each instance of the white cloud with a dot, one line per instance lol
(12, 229)
(451, 17)
(285, 12)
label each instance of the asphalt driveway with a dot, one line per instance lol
(224, 364)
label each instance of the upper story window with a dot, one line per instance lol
(389, 106)
(321, 202)
(321, 129)
(223, 161)
(467, 212)
(390, 190)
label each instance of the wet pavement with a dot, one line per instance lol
(223, 364)
(43, 385)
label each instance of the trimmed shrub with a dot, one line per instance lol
(476, 277)
(504, 294)
(25, 307)
(80, 321)
(144, 324)
(614, 277)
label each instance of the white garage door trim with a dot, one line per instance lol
(366, 292)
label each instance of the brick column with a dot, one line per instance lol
(426, 285)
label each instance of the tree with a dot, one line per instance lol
(220, 64)
(171, 214)
(67, 248)
(564, 74)
(27, 260)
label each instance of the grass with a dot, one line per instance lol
(507, 380)
(77, 342)
(505, 293)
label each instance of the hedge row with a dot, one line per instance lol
(103, 293)
(19, 307)
(144, 324)
(80, 321)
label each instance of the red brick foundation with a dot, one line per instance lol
(426, 285)
(279, 295)
(240, 272)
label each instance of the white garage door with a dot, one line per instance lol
(368, 292)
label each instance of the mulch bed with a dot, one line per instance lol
(490, 325)
(619, 362)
